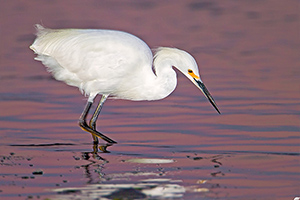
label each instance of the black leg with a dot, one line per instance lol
(84, 126)
(97, 112)
(82, 119)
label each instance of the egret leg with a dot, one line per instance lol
(93, 120)
(97, 112)
(82, 119)
(84, 126)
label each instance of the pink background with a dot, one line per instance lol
(248, 55)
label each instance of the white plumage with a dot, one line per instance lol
(112, 63)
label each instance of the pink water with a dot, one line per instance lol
(248, 54)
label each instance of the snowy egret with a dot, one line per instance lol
(112, 63)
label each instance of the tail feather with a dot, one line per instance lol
(40, 30)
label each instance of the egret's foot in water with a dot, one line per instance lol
(95, 133)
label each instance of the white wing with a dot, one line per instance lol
(96, 61)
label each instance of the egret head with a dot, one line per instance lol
(188, 66)
(199, 84)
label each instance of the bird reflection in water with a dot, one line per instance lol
(93, 158)
(94, 154)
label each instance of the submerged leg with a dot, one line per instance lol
(84, 126)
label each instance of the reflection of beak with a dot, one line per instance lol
(206, 93)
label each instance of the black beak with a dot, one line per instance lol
(207, 94)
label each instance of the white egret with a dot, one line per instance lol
(112, 63)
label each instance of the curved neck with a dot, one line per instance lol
(159, 85)
(163, 82)
(166, 80)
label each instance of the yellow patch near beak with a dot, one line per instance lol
(191, 73)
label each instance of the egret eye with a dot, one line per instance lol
(190, 71)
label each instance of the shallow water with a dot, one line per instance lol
(177, 148)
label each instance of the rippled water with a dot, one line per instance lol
(177, 148)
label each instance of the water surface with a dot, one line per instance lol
(177, 148)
